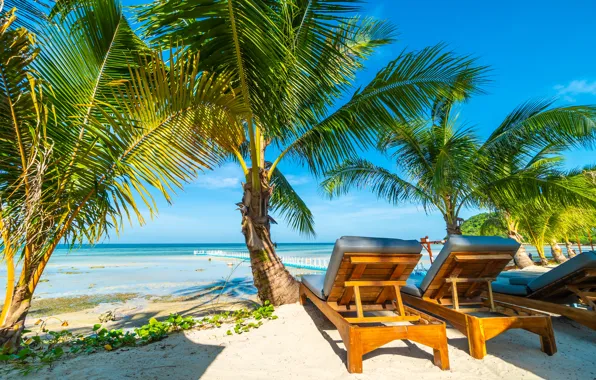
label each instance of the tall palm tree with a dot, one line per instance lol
(292, 61)
(90, 122)
(446, 167)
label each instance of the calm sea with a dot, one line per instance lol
(287, 249)
(159, 269)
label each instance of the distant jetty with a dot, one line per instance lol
(313, 263)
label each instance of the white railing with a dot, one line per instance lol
(314, 263)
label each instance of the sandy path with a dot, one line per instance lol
(301, 344)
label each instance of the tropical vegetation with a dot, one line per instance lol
(91, 122)
(541, 227)
(481, 225)
(444, 166)
(291, 64)
(95, 119)
(45, 347)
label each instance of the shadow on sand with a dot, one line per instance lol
(521, 349)
(323, 325)
(199, 301)
(220, 294)
(517, 347)
(157, 360)
(190, 360)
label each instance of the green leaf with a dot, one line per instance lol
(290, 206)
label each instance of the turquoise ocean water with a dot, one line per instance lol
(158, 269)
(151, 269)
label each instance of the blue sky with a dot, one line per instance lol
(536, 49)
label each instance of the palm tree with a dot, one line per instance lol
(535, 225)
(503, 220)
(90, 121)
(292, 62)
(565, 222)
(575, 221)
(546, 225)
(446, 168)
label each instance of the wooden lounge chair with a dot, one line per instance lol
(451, 290)
(363, 277)
(555, 291)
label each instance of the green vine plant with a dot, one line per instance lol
(46, 347)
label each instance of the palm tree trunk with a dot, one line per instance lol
(570, 251)
(453, 228)
(14, 323)
(271, 278)
(521, 258)
(557, 252)
(543, 259)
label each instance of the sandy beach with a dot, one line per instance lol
(297, 189)
(302, 344)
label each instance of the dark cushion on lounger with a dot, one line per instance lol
(412, 287)
(586, 260)
(357, 244)
(315, 283)
(522, 280)
(505, 288)
(517, 277)
(479, 244)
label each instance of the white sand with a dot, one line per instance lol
(301, 344)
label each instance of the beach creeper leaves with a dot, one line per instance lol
(46, 349)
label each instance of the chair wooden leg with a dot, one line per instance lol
(441, 354)
(302, 296)
(354, 348)
(476, 340)
(547, 339)
(434, 336)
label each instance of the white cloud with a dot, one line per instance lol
(382, 213)
(227, 177)
(576, 87)
(218, 182)
(296, 180)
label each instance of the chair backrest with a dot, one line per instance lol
(579, 271)
(369, 259)
(467, 257)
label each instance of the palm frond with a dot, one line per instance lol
(288, 204)
(362, 174)
(493, 225)
(241, 37)
(31, 13)
(323, 66)
(402, 91)
(542, 188)
(173, 125)
(20, 110)
(90, 46)
(534, 125)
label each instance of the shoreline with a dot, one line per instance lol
(130, 310)
(301, 342)
(297, 345)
